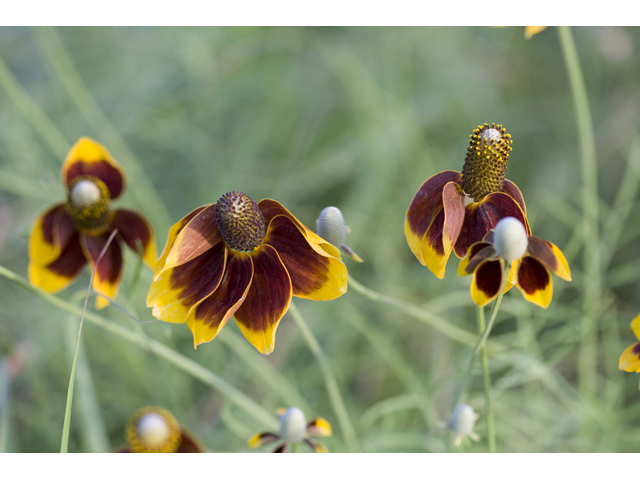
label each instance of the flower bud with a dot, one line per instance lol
(462, 421)
(293, 425)
(510, 239)
(330, 226)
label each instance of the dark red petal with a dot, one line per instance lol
(63, 228)
(488, 278)
(532, 276)
(427, 203)
(198, 278)
(514, 192)
(312, 275)
(284, 448)
(132, 228)
(109, 270)
(48, 221)
(189, 444)
(453, 201)
(71, 260)
(480, 217)
(479, 253)
(267, 301)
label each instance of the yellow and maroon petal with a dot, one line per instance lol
(260, 439)
(482, 216)
(630, 358)
(535, 282)
(109, 271)
(171, 238)
(477, 253)
(635, 326)
(206, 319)
(174, 292)
(315, 274)
(195, 238)
(88, 157)
(267, 301)
(319, 427)
(63, 270)
(487, 280)
(132, 227)
(189, 443)
(316, 446)
(43, 248)
(514, 192)
(550, 256)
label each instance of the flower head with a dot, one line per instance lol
(531, 257)
(452, 210)
(70, 234)
(155, 430)
(293, 429)
(463, 419)
(330, 226)
(243, 259)
(630, 358)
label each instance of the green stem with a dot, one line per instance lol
(330, 380)
(486, 373)
(591, 256)
(185, 364)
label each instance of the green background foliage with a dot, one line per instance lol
(357, 118)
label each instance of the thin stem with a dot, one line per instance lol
(64, 445)
(491, 429)
(185, 364)
(330, 380)
(591, 255)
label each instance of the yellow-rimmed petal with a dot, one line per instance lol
(195, 238)
(319, 427)
(477, 253)
(88, 157)
(133, 228)
(316, 446)
(260, 439)
(60, 272)
(531, 31)
(43, 249)
(512, 280)
(314, 275)
(630, 359)
(535, 282)
(175, 291)
(109, 271)
(206, 318)
(550, 256)
(171, 238)
(487, 280)
(635, 326)
(267, 301)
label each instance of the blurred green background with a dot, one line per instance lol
(357, 118)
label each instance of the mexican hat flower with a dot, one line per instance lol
(452, 210)
(237, 258)
(531, 260)
(294, 429)
(155, 430)
(630, 358)
(70, 234)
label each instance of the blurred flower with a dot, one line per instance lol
(529, 31)
(531, 257)
(69, 234)
(330, 226)
(462, 421)
(241, 259)
(630, 358)
(155, 430)
(442, 217)
(293, 429)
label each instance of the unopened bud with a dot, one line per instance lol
(330, 226)
(510, 239)
(462, 421)
(293, 425)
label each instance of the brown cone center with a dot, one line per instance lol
(240, 221)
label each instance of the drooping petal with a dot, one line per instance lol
(316, 446)
(267, 301)
(43, 248)
(260, 439)
(482, 216)
(189, 443)
(178, 289)
(315, 274)
(477, 253)
(284, 448)
(635, 326)
(319, 427)
(630, 358)
(514, 192)
(197, 236)
(61, 271)
(133, 228)
(171, 238)
(487, 280)
(88, 157)
(426, 209)
(512, 279)
(550, 256)
(206, 319)
(535, 282)
(109, 271)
